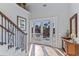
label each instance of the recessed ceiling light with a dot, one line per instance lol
(44, 5)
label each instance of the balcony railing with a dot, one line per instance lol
(11, 35)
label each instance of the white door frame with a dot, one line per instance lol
(52, 43)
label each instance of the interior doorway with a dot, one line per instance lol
(43, 31)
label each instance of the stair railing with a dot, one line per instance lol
(11, 34)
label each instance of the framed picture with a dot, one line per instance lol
(21, 23)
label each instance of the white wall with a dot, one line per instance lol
(61, 11)
(12, 10)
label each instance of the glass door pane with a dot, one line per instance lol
(46, 29)
(37, 29)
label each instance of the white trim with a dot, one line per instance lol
(51, 33)
(60, 52)
(30, 50)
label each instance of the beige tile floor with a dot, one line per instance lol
(38, 50)
(51, 51)
(42, 50)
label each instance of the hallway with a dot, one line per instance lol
(47, 26)
(41, 50)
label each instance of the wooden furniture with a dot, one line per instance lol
(67, 38)
(63, 43)
(72, 49)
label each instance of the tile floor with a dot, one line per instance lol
(42, 50)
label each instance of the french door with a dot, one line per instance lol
(43, 31)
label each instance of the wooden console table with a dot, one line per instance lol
(63, 42)
(67, 38)
(71, 48)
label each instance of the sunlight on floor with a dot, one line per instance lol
(42, 50)
(38, 50)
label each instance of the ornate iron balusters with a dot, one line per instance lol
(11, 35)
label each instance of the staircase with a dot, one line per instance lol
(12, 38)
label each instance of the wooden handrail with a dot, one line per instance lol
(11, 22)
(6, 29)
(11, 34)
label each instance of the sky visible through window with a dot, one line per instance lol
(39, 22)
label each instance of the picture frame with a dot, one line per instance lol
(21, 23)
